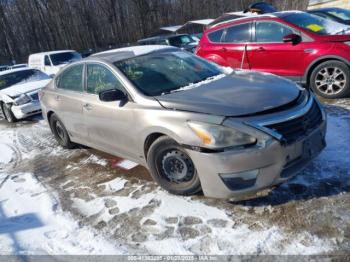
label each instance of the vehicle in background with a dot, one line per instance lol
(303, 47)
(52, 62)
(4, 68)
(260, 8)
(195, 125)
(339, 15)
(17, 66)
(19, 89)
(183, 41)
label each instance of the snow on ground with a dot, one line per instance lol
(31, 222)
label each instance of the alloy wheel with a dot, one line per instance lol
(330, 80)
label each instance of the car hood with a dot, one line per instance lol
(238, 94)
(19, 89)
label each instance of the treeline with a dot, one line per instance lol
(28, 26)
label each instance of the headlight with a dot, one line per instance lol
(22, 99)
(217, 136)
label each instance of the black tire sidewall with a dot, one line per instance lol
(7, 108)
(66, 142)
(345, 92)
(186, 188)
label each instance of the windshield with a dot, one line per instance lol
(316, 24)
(180, 40)
(64, 58)
(160, 73)
(21, 77)
(342, 14)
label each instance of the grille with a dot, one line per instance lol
(294, 129)
(35, 96)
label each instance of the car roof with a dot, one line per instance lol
(53, 52)
(128, 52)
(161, 37)
(250, 18)
(15, 70)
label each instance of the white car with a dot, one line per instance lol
(19, 92)
(51, 62)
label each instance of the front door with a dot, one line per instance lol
(270, 54)
(109, 124)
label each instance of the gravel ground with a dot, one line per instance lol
(308, 215)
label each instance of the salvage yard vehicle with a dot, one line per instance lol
(339, 15)
(184, 41)
(303, 47)
(19, 89)
(51, 62)
(195, 125)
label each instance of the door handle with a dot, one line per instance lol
(57, 98)
(261, 49)
(87, 107)
(224, 49)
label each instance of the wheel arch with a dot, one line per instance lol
(317, 62)
(150, 140)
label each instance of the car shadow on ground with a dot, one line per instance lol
(328, 175)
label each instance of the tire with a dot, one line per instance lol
(7, 112)
(331, 79)
(172, 168)
(60, 132)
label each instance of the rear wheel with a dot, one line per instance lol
(60, 132)
(9, 116)
(172, 168)
(331, 79)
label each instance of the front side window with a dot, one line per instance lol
(99, 79)
(71, 79)
(271, 32)
(238, 34)
(64, 58)
(316, 24)
(21, 77)
(159, 73)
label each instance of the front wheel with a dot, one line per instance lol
(172, 168)
(331, 79)
(9, 116)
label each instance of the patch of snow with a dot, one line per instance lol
(42, 228)
(204, 82)
(127, 164)
(6, 154)
(115, 185)
(93, 159)
(227, 70)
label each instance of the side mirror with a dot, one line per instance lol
(112, 95)
(292, 38)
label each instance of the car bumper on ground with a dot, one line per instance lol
(26, 110)
(235, 173)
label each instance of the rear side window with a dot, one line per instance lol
(271, 32)
(99, 79)
(216, 36)
(71, 79)
(47, 61)
(238, 34)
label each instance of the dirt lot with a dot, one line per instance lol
(308, 215)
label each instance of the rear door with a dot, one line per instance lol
(235, 43)
(270, 54)
(110, 124)
(67, 101)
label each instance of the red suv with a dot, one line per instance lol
(297, 45)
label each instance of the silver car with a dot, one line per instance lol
(194, 125)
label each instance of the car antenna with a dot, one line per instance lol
(243, 56)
